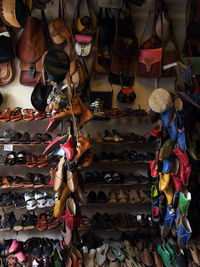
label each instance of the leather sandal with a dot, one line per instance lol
(5, 115)
(38, 115)
(16, 114)
(32, 161)
(42, 161)
(39, 180)
(6, 182)
(28, 114)
(41, 224)
(37, 139)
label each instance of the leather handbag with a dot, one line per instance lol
(149, 63)
(14, 12)
(60, 29)
(116, 4)
(30, 49)
(126, 95)
(125, 49)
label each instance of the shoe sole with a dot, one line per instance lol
(17, 228)
(31, 227)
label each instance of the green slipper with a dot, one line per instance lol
(184, 201)
(165, 255)
(172, 255)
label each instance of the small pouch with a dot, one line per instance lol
(83, 45)
(149, 63)
(126, 95)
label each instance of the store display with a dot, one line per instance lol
(102, 169)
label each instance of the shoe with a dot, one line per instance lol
(86, 115)
(142, 222)
(183, 232)
(166, 150)
(55, 144)
(184, 201)
(58, 175)
(72, 180)
(172, 254)
(134, 196)
(177, 180)
(70, 213)
(8, 222)
(14, 246)
(194, 251)
(101, 254)
(168, 220)
(169, 194)
(181, 139)
(164, 181)
(30, 221)
(185, 173)
(68, 148)
(194, 99)
(81, 147)
(101, 197)
(165, 255)
(116, 136)
(19, 224)
(169, 123)
(60, 201)
(122, 197)
(108, 137)
(167, 164)
(98, 138)
(53, 124)
(182, 155)
(112, 197)
(92, 197)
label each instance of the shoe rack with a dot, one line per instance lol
(140, 126)
(32, 127)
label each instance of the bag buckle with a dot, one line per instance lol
(32, 70)
(148, 61)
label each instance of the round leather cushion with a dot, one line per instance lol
(56, 64)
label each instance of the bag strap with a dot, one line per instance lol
(48, 42)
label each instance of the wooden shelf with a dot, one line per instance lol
(118, 162)
(115, 204)
(139, 231)
(120, 142)
(24, 207)
(115, 185)
(23, 187)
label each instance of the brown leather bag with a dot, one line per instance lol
(60, 29)
(30, 49)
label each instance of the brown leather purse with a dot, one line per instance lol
(60, 29)
(30, 49)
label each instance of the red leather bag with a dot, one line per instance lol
(149, 63)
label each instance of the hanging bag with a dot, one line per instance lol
(150, 55)
(125, 51)
(84, 29)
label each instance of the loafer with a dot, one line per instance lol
(172, 254)
(164, 180)
(167, 164)
(55, 144)
(60, 201)
(181, 139)
(177, 180)
(70, 213)
(182, 155)
(164, 254)
(183, 232)
(185, 173)
(184, 201)
(168, 220)
(72, 180)
(169, 193)
(166, 150)
(68, 148)
(169, 123)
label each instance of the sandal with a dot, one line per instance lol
(5, 115)
(42, 161)
(17, 182)
(6, 181)
(25, 139)
(40, 199)
(11, 159)
(38, 115)
(28, 114)
(32, 161)
(16, 114)
(42, 221)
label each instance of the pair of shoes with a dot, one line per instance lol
(115, 136)
(13, 158)
(8, 222)
(113, 178)
(11, 182)
(92, 197)
(12, 200)
(30, 114)
(35, 180)
(37, 161)
(26, 222)
(46, 221)
(38, 200)
(16, 249)
(11, 115)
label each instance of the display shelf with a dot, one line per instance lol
(27, 187)
(115, 185)
(138, 231)
(24, 208)
(113, 162)
(114, 204)
(118, 143)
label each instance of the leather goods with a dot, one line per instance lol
(6, 74)
(125, 48)
(149, 63)
(56, 64)
(116, 4)
(126, 95)
(60, 29)
(14, 13)
(30, 48)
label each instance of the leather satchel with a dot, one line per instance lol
(30, 49)
(149, 63)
